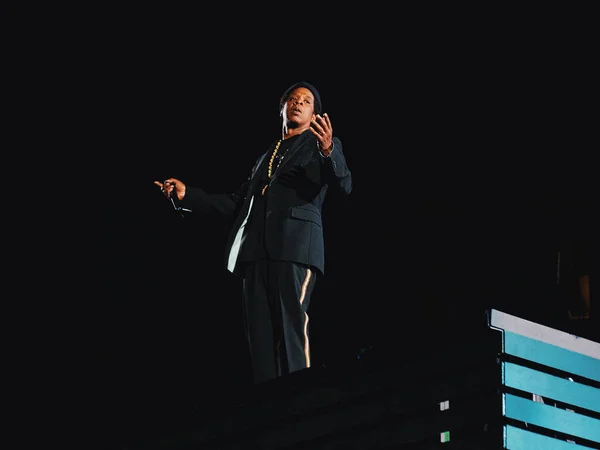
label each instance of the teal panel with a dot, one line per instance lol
(519, 439)
(552, 418)
(536, 382)
(551, 355)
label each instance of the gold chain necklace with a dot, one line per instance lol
(270, 171)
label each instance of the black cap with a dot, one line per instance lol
(306, 85)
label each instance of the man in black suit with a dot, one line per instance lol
(276, 241)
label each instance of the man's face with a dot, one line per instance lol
(299, 108)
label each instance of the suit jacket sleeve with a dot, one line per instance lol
(337, 174)
(225, 204)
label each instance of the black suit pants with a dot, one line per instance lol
(276, 298)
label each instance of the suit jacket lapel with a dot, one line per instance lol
(259, 168)
(295, 147)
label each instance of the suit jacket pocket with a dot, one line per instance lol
(306, 214)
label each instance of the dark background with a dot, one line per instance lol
(469, 148)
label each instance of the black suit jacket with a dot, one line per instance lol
(293, 228)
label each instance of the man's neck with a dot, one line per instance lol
(288, 132)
